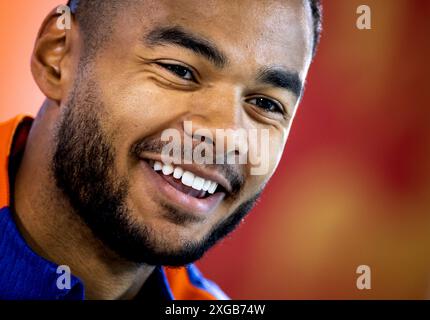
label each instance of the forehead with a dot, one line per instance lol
(255, 32)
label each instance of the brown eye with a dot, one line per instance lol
(178, 70)
(267, 105)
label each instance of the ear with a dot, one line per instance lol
(49, 61)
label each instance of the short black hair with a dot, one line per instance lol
(316, 8)
(88, 12)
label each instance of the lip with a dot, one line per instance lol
(197, 170)
(200, 207)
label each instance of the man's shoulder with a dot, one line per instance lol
(188, 283)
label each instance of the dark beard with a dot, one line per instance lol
(83, 168)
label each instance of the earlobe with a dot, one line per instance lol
(50, 49)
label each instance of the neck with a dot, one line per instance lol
(55, 232)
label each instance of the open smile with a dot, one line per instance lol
(196, 194)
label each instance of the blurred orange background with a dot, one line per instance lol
(353, 187)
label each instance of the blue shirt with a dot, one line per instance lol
(26, 276)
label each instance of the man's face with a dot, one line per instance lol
(221, 65)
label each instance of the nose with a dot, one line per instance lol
(218, 117)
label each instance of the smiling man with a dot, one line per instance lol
(84, 184)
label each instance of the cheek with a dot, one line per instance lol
(136, 111)
(142, 110)
(265, 152)
(135, 105)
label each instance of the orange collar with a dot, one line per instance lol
(8, 132)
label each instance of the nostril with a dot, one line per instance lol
(203, 138)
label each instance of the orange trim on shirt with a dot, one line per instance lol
(7, 132)
(181, 286)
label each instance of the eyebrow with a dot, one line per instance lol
(180, 37)
(280, 78)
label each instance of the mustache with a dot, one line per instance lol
(231, 172)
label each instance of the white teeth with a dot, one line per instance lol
(158, 166)
(206, 185)
(167, 169)
(213, 187)
(187, 178)
(198, 183)
(177, 174)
